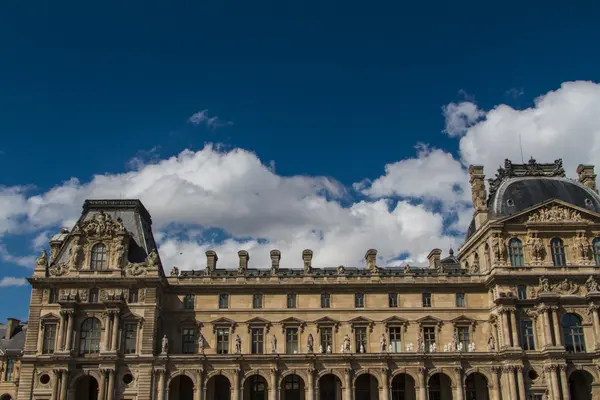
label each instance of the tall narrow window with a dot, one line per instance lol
(460, 299)
(258, 340)
(49, 338)
(326, 338)
(188, 341)
(130, 337)
(188, 302)
(291, 300)
(223, 341)
(395, 339)
(573, 333)
(488, 257)
(10, 370)
(99, 259)
(53, 296)
(428, 337)
(393, 300)
(522, 292)
(360, 339)
(133, 296)
(557, 249)
(515, 252)
(527, 335)
(223, 300)
(89, 336)
(257, 300)
(93, 296)
(325, 300)
(291, 340)
(426, 299)
(462, 332)
(359, 300)
(596, 250)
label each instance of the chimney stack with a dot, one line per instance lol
(434, 258)
(587, 177)
(478, 194)
(11, 326)
(371, 259)
(211, 260)
(275, 257)
(244, 258)
(307, 258)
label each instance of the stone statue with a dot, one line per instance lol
(420, 343)
(469, 348)
(75, 253)
(390, 348)
(310, 343)
(491, 343)
(536, 247)
(473, 346)
(382, 343)
(320, 349)
(583, 246)
(238, 344)
(174, 271)
(328, 349)
(346, 348)
(341, 270)
(342, 348)
(591, 284)
(119, 253)
(42, 260)
(201, 342)
(152, 260)
(433, 347)
(407, 269)
(362, 348)
(498, 247)
(165, 345)
(273, 344)
(460, 346)
(445, 348)
(454, 342)
(544, 284)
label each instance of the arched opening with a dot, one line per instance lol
(403, 387)
(366, 388)
(6, 397)
(89, 336)
(440, 387)
(330, 387)
(580, 385)
(99, 259)
(181, 388)
(86, 388)
(218, 387)
(515, 252)
(256, 388)
(573, 333)
(292, 388)
(476, 387)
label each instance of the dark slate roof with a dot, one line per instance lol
(15, 344)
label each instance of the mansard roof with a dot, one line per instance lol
(16, 342)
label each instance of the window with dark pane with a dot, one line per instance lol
(325, 300)
(93, 296)
(395, 339)
(10, 370)
(99, 259)
(258, 340)
(360, 338)
(291, 340)
(527, 341)
(188, 301)
(223, 300)
(573, 333)
(462, 332)
(291, 300)
(49, 338)
(257, 300)
(326, 338)
(515, 252)
(522, 292)
(53, 296)
(393, 300)
(460, 299)
(426, 299)
(359, 300)
(557, 249)
(428, 336)
(130, 337)
(223, 341)
(89, 336)
(133, 296)
(188, 341)
(596, 250)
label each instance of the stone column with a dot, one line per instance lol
(273, 389)
(505, 330)
(198, 388)
(138, 338)
(102, 384)
(311, 384)
(69, 344)
(110, 393)
(547, 330)
(496, 378)
(115, 333)
(40, 340)
(515, 328)
(235, 390)
(459, 385)
(347, 384)
(56, 376)
(61, 328)
(521, 382)
(552, 371)
(593, 310)
(161, 384)
(510, 371)
(423, 384)
(64, 380)
(564, 381)
(106, 331)
(557, 334)
(385, 384)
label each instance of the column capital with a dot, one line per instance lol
(422, 370)
(592, 308)
(496, 369)
(550, 368)
(160, 371)
(273, 371)
(310, 371)
(508, 368)
(519, 368)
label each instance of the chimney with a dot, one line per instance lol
(211, 260)
(478, 194)
(434, 258)
(275, 257)
(307, 258)
(11, 326)
(371, 259)
(587, 177)
(244, 257)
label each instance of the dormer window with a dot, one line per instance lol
(596, 250)
(557, 249)
(515, 252)
(99, 259)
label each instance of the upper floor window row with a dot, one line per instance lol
(557, 252)
(99, 257)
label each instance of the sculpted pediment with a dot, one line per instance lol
(429, 320)
(554, 212)
(463, 319)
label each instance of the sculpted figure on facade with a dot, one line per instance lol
(341, 270)
(591, 284)
(273, 344)
(420, 343)
(566, 287)
(320, 349)
(165, 345)
(238, 344)
(346, 345)
(119, 252)
(498, 249)
(555, 214)
(582, 244)
(201, 342)
(75, 252)
(491, 343)
(174, 271)
(152, 261)
(42, 260)
(544, 285)
(382, 343)
(310, 343)
(536, 247)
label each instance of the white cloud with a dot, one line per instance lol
(202, 117)
(460, 116)
(40, 240)
(11, 281)
(23, 261)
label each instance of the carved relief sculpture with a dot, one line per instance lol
(554, 214)
(174, 271)
(536, 248)
(582, 244)
(273, 344)
(544, 285)
(591, 284)
(310, 343)
(346, 345)
(238, 344)
(75, 252)
(165, 345)
(152, 261)
(201, 342)
(498, 250)
(42, 261)
(382, 343)
(420, 344)
(119, 253)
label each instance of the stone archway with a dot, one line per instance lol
(403, 387)
(330, 387)
(181, 387)
(366, 387)
(255, 388)
(580, 385)
(292, 388)
(86, 388)
(218, 387)
(476, 387)
(6, 397)
(439, 387)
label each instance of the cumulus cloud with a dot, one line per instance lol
(23, 261)
(202, 118)
(11, 281)
(460, 116)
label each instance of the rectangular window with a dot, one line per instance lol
(93, 296)
(257, 300)
(188, 302)
(393, 300)
(360, 339)
(527, 341)
(258, 340)
(395, 340)
(462, 332)
(49, 338)
(223, 300)
(223, 341)
(53, 296)
(359, 300)
(291, 340)
(133, 296)
(428, 337)
(326, 338)
(426, 299)
(325, 300)
(291, 300)
(522, 292)
(10, 369)
(188, 341)
(460, 299)
(130, 334)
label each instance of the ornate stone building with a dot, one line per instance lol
(513, 315)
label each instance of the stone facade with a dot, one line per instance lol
(513, 315)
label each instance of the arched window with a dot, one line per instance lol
(515, 252)
(557, 249)
(596, 250)
(573, 333)
(89, 337)
(98, 260)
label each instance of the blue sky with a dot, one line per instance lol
(338, 126)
